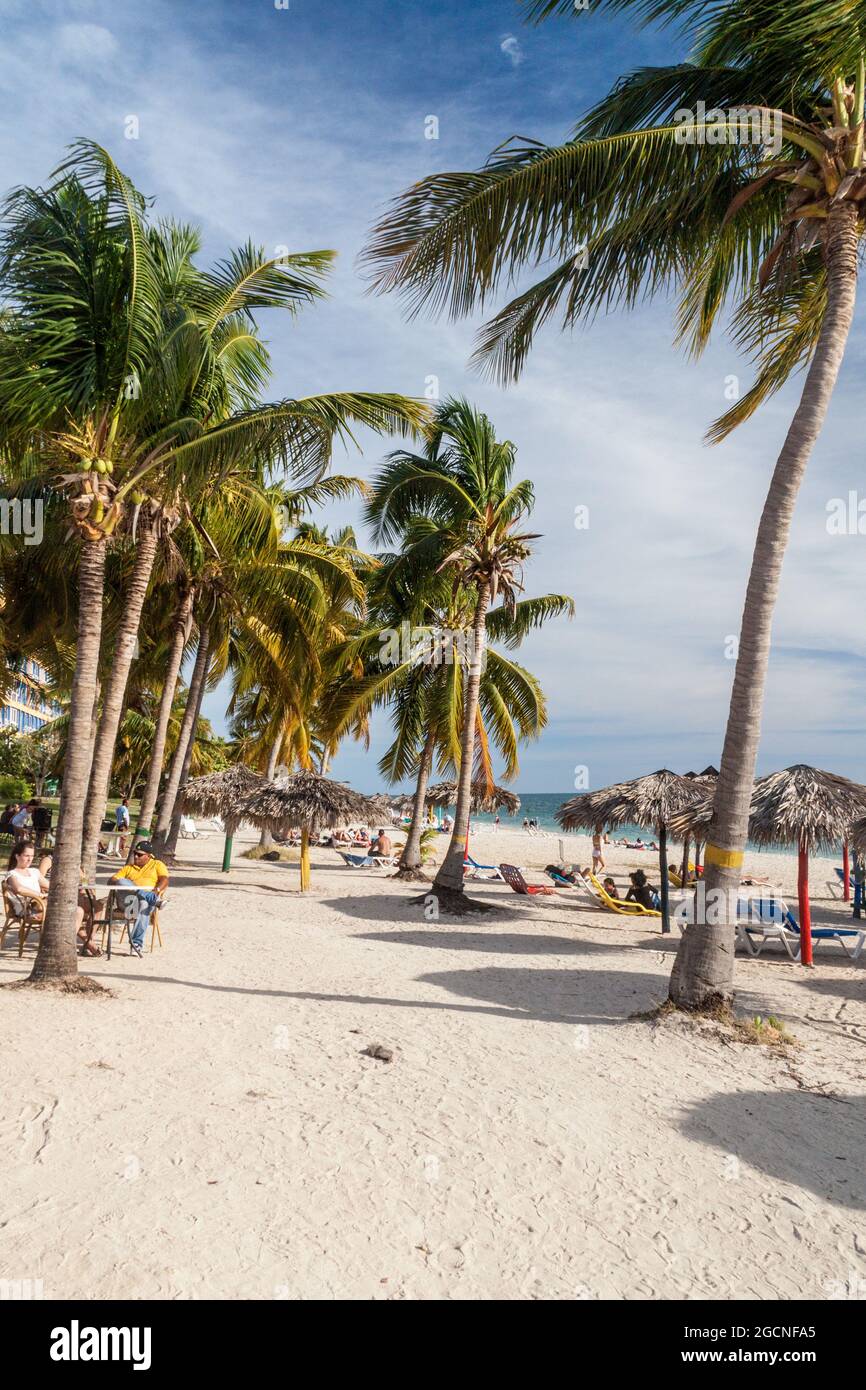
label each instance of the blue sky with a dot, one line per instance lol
(295, 127)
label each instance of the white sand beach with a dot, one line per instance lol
(213, 1130)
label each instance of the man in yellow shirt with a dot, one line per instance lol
(147, 876)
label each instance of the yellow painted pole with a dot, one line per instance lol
(305, 860)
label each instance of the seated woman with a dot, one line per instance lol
(30, 883)
(640, 891)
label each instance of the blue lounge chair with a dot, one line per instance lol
(364, 861)
(472, 869)
(776, 922)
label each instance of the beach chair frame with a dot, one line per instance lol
(24, 921)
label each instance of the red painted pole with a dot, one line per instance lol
(805, 912)
(846, 873)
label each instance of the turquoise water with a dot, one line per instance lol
(543, 806)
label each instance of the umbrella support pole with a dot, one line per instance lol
(805, 910)
(663, 870)
(305, 860)
(227, 854)
(846, 873)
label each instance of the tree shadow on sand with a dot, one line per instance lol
(492, 942)
(812, 1141)
(543, 996)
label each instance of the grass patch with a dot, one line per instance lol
(283, 853)
(757, 1031)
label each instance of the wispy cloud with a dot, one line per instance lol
(306, 155)
(510, 46)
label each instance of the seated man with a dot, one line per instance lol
(382, 845)
(147, 877)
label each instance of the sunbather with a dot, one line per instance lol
(641, 891)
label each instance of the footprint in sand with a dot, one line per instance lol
(29, 1131)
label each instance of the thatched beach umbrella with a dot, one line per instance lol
(223, 794)
(310, 803)
(650, 801)
(484, 797)
(800, 806)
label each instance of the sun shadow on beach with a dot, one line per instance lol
(812, 1141)
(492, 942)
(544, 996)
(572, 996)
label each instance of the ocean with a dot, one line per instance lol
(542, 806)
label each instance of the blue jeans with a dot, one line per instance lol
(147, 901)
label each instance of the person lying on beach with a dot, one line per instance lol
(640, 891)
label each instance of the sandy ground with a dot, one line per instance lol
(213, 1130)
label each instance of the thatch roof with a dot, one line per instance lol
(649, 802)
(799, 805)
(224, 794)
(306, 799)
(484, 797)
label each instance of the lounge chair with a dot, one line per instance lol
(517, 883)
(561, 880)
(472, 869)
(190, 831)
(368, 861)
(778, 923)
(619, 904)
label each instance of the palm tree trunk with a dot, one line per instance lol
(410, 860)
(703, 972)
(57, 959)
(170, 846)
(266, 839)
(184, 743)
(115, 691)
(450, 876)
(163, 717)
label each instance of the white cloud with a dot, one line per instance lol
(86, 43)
(510, 46)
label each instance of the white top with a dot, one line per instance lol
(21, 818)
(25, 881)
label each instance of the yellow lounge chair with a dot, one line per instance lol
(624, 908)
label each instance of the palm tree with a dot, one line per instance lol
(90, 352)
(641, 201)
(458, 503)
(411, 658)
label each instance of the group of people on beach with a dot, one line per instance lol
(19, 817)
(27, 883)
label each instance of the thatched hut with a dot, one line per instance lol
(651, 802)
(801, 806)
(485, 798)
(224, 794)
(307, 802)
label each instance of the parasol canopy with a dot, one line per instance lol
(652, 800)
(306, 800)
(222, 794)
(484, 797)
(800, 806)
